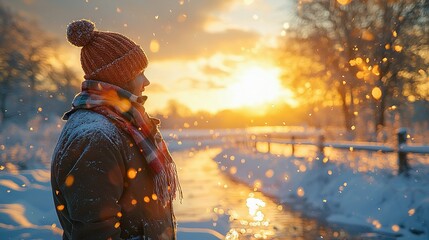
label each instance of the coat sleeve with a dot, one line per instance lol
(92, 189)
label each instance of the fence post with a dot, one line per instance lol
(403, 166)
(254, 143)
(293, 146)
(269, 143)
(321, 148)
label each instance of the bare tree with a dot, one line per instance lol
(11, 59)
(370, 50)
(399, 36)
(28, 76)
(9, 73)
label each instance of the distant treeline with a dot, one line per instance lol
(414, 116)
(33, 81)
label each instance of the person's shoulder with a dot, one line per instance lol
(86, 123)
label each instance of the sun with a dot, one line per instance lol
(255, 86)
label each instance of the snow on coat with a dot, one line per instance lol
(102, 187)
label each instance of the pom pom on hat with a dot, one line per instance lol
(81, 32)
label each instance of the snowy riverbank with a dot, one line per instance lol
(393, 205)
(377, 200)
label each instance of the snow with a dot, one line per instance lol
(376, 199)
(26, 206)
(360, 146)
(413, 148)
(386, 203)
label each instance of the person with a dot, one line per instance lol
(112, 175)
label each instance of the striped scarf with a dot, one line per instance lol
(128, 113)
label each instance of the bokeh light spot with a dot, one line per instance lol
(132, 173)
(69, 180)
(300, 192)
(376, 93)
(154, 46)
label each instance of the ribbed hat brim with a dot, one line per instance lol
(122, 69)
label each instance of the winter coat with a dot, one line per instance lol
(102, 187)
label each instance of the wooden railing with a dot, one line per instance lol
(402, 148)
(305, 138)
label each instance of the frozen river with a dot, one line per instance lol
(222, 207)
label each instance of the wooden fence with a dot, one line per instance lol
(401, 148)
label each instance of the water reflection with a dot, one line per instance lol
(235, 209)
(257, 222)
(254, 204)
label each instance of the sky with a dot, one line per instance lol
(209, 55)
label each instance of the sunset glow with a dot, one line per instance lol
(254, 86)
(210, 71)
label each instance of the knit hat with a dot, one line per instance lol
(106, 56)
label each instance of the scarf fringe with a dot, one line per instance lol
(167, 184)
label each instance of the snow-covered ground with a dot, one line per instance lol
(380, 200)
(375, 198)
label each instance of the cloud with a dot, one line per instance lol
(178, 26)
(214, 71)
(28, 2)
(192, 83)
(207, 44)
(214, 85)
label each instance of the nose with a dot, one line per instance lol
(146, 81)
